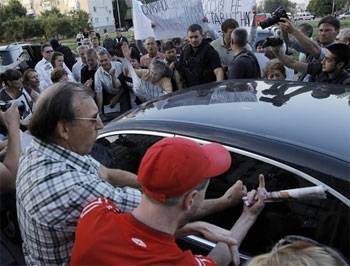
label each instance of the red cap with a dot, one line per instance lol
(174, 165)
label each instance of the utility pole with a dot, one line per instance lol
(120, 24)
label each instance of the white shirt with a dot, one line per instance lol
(76, 70)
(44, 69)
(103, 79)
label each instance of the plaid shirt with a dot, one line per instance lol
(53, 186)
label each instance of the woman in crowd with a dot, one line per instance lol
(14, 90)
(57, 61)
(274, 70)
(31, 80)
(298, 251)
(158, 74)
(58, 75)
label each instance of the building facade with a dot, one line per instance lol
(101, 11)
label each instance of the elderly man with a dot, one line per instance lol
(57, 178)
(81, 62)
(108, 87)
(152, 52)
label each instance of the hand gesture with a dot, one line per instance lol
(112, 72)
(255, 198)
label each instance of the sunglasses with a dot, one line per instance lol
(294, 238)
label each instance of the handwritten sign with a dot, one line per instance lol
(172, 18)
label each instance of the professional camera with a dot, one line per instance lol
(272, 41)
(6, 105)
(280, 12)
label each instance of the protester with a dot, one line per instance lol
(81, 62)
(199, 62)
(108, 44)
(148, 233)
(13, 65)
(69, 57)
(108, 87)
(57, 61)
(172, 61)
(223, 45)
(64, 113)
(95, 45)
(274, 70)
(158, 74)
(152, 52)
(14, 91)
(59, 75)
(119, 38)
(88, 71)
(31, 80)
(87, 42)
(298, 251)
(331, 70)
(244, 65)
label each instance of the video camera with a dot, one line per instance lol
(280, 12)
(272, 41)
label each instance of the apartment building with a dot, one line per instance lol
(101, 11)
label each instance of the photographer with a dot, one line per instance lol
(330, 70)
(14, 90)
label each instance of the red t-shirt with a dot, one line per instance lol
(104, 236)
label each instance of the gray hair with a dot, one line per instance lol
(239, 37)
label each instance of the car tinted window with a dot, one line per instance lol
(325, 220)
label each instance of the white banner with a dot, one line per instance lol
(171, 18)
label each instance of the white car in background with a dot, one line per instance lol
(345, 15)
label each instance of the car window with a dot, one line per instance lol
(324, 220)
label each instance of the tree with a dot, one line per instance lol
(271, 5)
(80, 20)
(22, 28)
(12, 10)
(54, 12)
(325, 7)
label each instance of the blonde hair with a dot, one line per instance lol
(298, 253)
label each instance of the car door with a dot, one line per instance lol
(324, 220)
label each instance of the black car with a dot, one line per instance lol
(296, 134)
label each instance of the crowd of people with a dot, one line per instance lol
(63, 194)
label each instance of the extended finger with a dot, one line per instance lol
(261, 181)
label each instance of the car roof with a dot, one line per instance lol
(245, 108)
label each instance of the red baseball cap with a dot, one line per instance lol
(174, 165)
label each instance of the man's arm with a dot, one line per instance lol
(9, 167)
(288, 61)
(232, 197)
(219, 73)
(118, 178)
(309, 45)
(223, 254)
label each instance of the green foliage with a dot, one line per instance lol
(325, 7)
(22, 28)
(79, 20)
(271, 5)
(49, 13)
(13, 10)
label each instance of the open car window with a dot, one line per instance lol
(324, 220)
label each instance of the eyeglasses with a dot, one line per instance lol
(294, 238)
(94, 119)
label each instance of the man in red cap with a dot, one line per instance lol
(173, 191)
